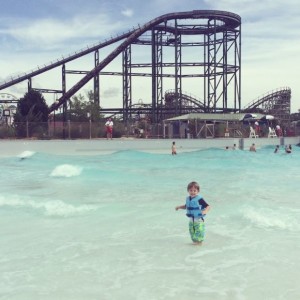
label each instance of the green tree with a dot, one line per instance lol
(32, 111)
(81, 110)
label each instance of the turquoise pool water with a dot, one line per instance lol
(105, 226)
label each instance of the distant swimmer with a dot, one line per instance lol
(196, 209)
(174, 152)
(233, 147)
(252, 148)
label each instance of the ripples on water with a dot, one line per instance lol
(105, 227)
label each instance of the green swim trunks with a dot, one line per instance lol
(197, 231)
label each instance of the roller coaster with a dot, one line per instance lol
(213, 36)
(276, 103)
(188, 104)
(215, 40)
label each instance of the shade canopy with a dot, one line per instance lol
(268, 117)
(215, 117)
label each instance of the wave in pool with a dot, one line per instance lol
(26, 154)
(66, 170)
(48, 208)
(268, 218)
(107, 225)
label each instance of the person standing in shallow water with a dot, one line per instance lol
(252, 148)
(174, 152)
(196, 209)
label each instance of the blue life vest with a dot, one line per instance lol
(193, 208)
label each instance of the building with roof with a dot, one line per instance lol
(211, 125)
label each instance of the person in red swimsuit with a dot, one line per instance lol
(109, 128)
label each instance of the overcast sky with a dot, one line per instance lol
(35, 32)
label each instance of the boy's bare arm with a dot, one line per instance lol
(180, 207)
(206, 210)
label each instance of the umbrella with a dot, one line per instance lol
(249, 117)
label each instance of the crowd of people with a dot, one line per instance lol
(252, 148)
(262, 130)
(288, 148)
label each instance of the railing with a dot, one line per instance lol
(19, 77)
(96, 130)
(77, 130)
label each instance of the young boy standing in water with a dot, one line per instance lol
(196, 209)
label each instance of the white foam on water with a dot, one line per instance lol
(66, 170)
(49, 208)
(26, 154)
(267, 218)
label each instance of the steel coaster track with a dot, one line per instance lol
(226, 20)
(276, 102)
(279, 93)
(19, 78)
(185, 99)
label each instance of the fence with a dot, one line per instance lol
(76, 130)
(93, 130)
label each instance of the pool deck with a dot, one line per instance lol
(103, 146)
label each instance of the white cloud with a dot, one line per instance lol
(51, 33)
(111, 92)
(127, 12)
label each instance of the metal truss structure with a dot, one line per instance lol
(188, 103)
(215, 40)
(7, 98)
(276, 103)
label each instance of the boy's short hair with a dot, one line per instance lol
(193, 184)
